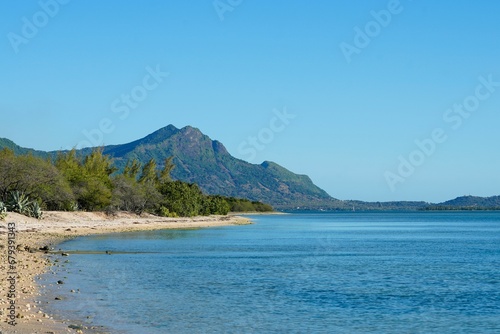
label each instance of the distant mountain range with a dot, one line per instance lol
(468, 203)
(201, 160)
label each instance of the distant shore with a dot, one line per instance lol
(31, 234)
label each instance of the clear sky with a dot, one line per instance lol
(355, 85)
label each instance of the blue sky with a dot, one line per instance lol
(67, 66)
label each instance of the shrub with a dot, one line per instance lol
(163, 211)
(3, 211)
(18, 202)
(34, 210)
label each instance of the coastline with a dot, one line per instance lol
(32, 234)
(256, 213)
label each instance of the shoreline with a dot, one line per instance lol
(55, 227)
(256, 213)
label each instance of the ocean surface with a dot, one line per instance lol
(353, 272)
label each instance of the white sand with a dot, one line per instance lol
(53, 228)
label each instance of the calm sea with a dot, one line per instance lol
(300, 273)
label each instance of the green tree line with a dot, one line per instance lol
(92, 183)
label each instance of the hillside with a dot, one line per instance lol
(6, 143)
(201, 160)
(468, 203)
(206, 162)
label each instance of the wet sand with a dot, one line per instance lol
(30, 235)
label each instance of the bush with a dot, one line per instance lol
(34, 210)
(163, 211)
(20, 203)
(215, 205)
(3, 211)
(182, 198)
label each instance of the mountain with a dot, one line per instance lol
(199, 159)
(468, 203)
(6, 143)
(204, 161)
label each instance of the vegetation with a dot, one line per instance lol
(71, 182)
(3, 211)
(244, 205)
(460, 208)
(207, 163)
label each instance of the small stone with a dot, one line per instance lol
(60, 282)
(75, 327)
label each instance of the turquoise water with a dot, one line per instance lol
(300, 273)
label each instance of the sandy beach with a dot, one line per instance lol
(30, 235)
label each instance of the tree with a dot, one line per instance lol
(132, 169)
(149, 173)
(215, 205)
(70, 166)
(182, 198)
(128, 195)
(97, 169)
(90, 180)
(99, 165)
(35, 177)
(167, 170)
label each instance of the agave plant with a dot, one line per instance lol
(34, 210)
(74, 206)
(18, 202)
(3, 208)
(3, 211)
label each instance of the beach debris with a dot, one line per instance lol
(64, 254)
